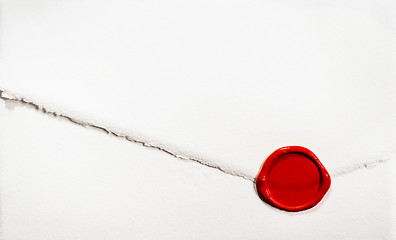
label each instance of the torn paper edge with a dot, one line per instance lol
(8, 96)
(367, 163)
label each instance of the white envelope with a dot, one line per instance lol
(182, 102)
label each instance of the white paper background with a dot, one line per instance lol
(60, 181)
(228, 81)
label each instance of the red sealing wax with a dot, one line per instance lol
(293, 179)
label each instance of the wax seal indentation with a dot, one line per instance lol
(293, 179)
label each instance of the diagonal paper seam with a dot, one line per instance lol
(8, 96)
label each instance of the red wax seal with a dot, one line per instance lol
(293, 179)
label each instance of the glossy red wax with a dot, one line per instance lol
(292, 178)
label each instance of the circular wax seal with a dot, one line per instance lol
(293, 179)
